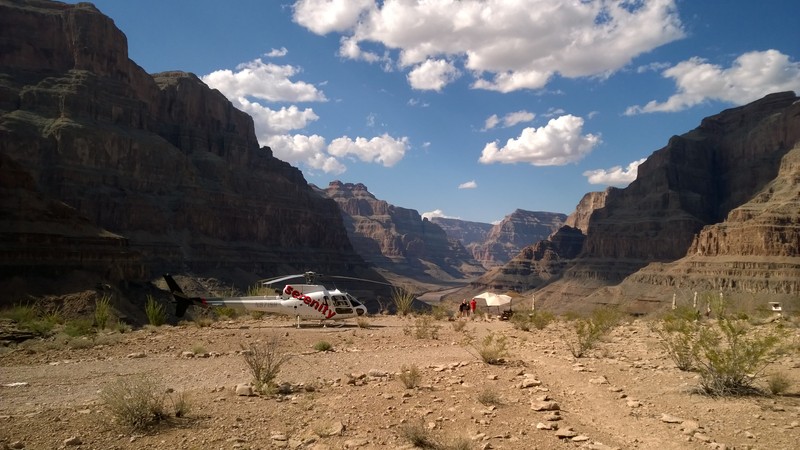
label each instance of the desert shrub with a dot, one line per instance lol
(257, 315)
(21, 314)
(729, 360)
(778, 383)
(420, 437)
(79, 327)
(264, 360)
(570, 316)
(199, 349)
(102, 311)
(155, 311)
(323, 346)
(588, 331)
(226, 311)
(489, 397)
(525, 320)
(410, 376)
(203, 321)
(423, 328)
(520, 321)
(459, 325)
(677, 333)
(362, 322)
(403, 300)
(440, 312)
(493, 349)
(121, 327)
(139, 401)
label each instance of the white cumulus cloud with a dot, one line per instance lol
(558, 143)
(509, 120)
(432, 75)
(326, 16)
(750, 77)
(468, 185)
(436, 213)
(616, 176)
(505, 45)
(264, 81)
(383, 149)
(255, 84)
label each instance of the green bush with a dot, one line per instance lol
(489, 397)
(140, 401)
(410, 376)
(264, 361)
(79, 327)
(423, 328)
(778, 383)
(323, 346)
(102, 311)
(156, 314)
(493, 349)
(403, 300)
(590, 330)
(729, 360)
(226, 311)
(525, 320)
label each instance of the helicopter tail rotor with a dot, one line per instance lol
(182, 301)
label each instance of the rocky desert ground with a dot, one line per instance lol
(626, 393)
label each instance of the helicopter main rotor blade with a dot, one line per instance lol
(357, 279)
(269, 281)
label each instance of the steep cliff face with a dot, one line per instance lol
(517, 230)
(470, 234)
(399, 239)
(716, 209)
(536, 264)
(162, 161)
(589, 203)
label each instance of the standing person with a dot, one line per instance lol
(472, 305)
(463, 308)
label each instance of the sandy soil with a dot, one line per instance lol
(625, 394)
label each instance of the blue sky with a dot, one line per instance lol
(471, 109)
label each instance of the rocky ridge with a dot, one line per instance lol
(163, 163)
(398, 239)
(716, 209)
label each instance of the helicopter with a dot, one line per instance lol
(302, 301)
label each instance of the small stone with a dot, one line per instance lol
(670, 419)
(74, 440)
(137, 355)
(580, 438)
(244, 390)
(634, 403)
(545, 406)
(702, 437)
(599, 380)
(566, 433)
(543, 426)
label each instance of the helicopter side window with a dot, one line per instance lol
(353, 300)
(339, 301)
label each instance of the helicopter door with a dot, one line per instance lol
(341, 305)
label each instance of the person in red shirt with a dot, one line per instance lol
(472, 305)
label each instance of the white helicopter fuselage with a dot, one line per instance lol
(303, 301)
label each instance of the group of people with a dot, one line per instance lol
(467, 309)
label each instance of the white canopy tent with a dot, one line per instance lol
(493, 299)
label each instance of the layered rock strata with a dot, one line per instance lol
(164, 163)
